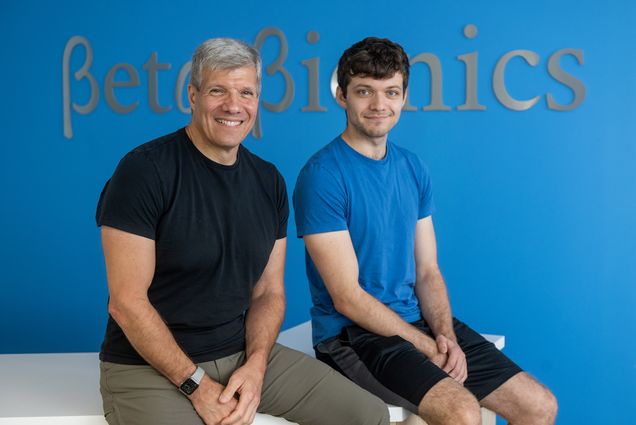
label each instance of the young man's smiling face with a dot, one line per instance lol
(373, 106)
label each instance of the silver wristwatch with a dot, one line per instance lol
(192, 383)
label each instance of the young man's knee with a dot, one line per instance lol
(545, 407)
(538, 406)
(467, 415)
(462, 414)
(448, 403)
(466, 412)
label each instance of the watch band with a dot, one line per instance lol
(192, 383)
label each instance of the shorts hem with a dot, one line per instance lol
(423, 389)
(496, 383)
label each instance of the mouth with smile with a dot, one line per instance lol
(228, 123)
(377, 114)
(376, 117)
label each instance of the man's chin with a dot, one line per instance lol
(375, 134)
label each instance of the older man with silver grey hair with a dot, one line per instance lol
(194, 233)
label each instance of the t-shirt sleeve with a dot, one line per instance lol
(283, 206)
(320, 202)
(427, 204)
(132, 199)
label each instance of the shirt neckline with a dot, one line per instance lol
(208, 161)
(355, 153)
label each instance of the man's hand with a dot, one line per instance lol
(247, 382)
(439, 359)
(206, 402)
(454, 362)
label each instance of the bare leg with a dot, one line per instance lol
(523, 401)
(449, 403)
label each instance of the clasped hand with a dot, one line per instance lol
(450, 358)
(218, 405)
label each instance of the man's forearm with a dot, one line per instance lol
(434, 304)
(370, 314)
(262, 325)
(335, 259)
(152, 339)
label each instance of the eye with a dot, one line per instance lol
(393, 93)
(363, 92)
(248, 93)
(216, 91)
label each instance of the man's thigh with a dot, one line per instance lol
(139, 395)
(296, 387)
(304, 390)
(488, 367)
(395, 363)
(409, 374)
(522, 397)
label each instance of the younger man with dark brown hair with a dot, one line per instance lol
(381, 313)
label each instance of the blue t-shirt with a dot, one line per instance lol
(379, 202)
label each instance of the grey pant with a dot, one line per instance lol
(296, 387)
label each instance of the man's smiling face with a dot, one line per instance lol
(224, 108)
(373, 106)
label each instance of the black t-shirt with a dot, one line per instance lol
(214, 228)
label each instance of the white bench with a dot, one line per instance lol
(63, 389)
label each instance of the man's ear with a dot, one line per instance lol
(342, 101)
(192, 93)
(406, 94)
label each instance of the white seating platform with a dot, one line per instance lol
(63, 389)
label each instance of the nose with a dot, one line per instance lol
(377, 103)
(232, 102)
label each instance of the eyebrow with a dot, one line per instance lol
(226, 87)
(365, 86)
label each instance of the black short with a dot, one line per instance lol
(394, 370)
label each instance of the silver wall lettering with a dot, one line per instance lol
(110, 84)
(470, 64)
(277, 67)
(470, 31)
(435, 70)
(272, 69)
(471, 103)
(180, 86)
(436, 102)
(314, 97)
(313, 66)
(554, 68)
(152, 66)
(499, 83)
(79, 75)
(407, 103)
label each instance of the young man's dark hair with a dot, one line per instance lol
(374, 57)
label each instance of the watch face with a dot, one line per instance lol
(189, 386)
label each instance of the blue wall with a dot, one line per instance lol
(536, 208)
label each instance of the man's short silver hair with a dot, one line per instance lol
(223, 53)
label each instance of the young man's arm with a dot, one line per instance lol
(431, 292)
(130, 265)
(265, 315)
(335, 258)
